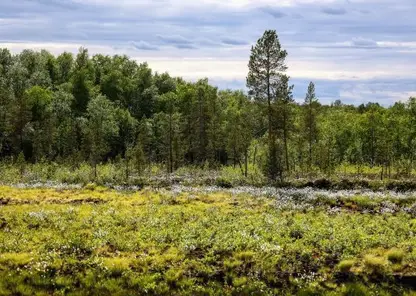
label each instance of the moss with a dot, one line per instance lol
(117, 265)
(346, 265)
(240, 281)
(356, 289)
(172, 276)
(245, 256)
(16, 259)
(375, 264)
(395, 256)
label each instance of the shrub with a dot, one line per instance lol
(323, 184)
(223, 183)
(90, 186)
(363, 183)
(296, 233)
(345, 184)
(346, 265)
(395, 256)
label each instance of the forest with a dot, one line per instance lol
(75, 109)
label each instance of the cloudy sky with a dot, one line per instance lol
(354, 50)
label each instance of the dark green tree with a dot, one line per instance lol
(266, 67)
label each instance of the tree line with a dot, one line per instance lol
(76, 108)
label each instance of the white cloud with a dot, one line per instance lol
(229, 68)
(194, 3)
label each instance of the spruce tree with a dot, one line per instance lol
(265, 76)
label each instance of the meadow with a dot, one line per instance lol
(205, 240)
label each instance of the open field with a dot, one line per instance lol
(206, 241)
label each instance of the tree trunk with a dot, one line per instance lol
(272, 150)
(95, 170)
(170, 145)
(286, 149)
(241, 167)
(310, 137)
(127, 169)
(246, 163)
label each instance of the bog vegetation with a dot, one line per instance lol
(206, 241)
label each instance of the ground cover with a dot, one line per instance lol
(94, 240)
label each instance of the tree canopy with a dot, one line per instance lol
(100, 108)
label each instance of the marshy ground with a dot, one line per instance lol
(92, 240)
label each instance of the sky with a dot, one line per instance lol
(355, 51)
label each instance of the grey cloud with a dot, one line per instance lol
(334, 11)
(142, 45)
(362, 42)
(274, 12)
(175, 40)
(185, 46)
(230, 41)
(57, 4)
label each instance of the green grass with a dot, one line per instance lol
(97, 241)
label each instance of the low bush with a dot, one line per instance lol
(401, 186)
(345, 184)
(322, 184)
(223, 183)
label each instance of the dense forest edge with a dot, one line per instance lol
(107, 119)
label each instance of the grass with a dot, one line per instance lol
(97, 240)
